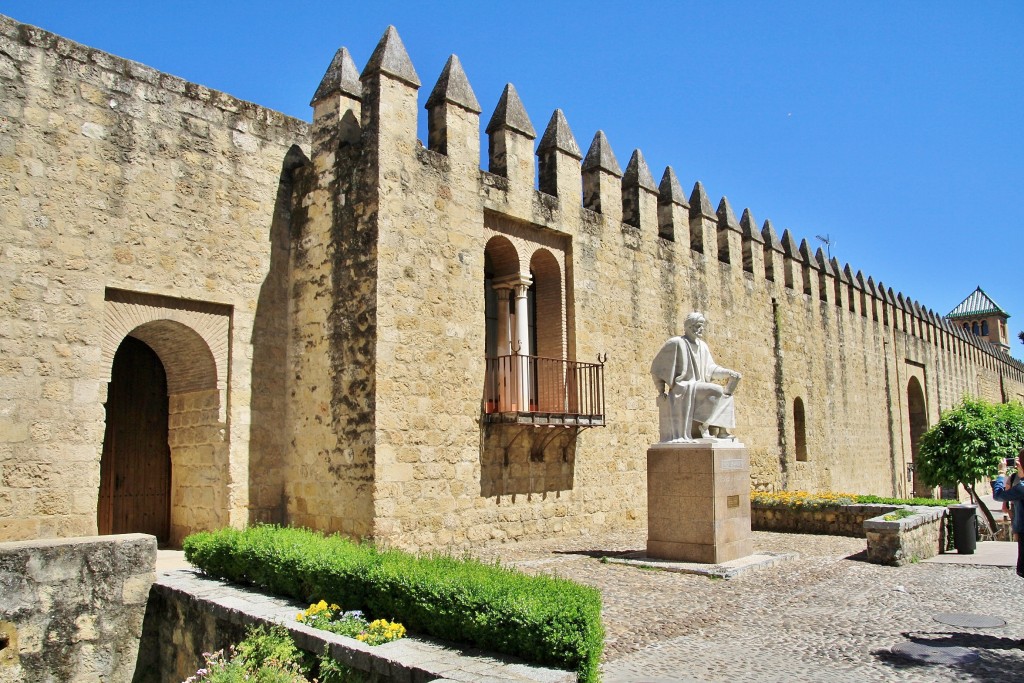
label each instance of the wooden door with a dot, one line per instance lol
(135, 472)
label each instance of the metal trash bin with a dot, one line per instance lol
(965, 528)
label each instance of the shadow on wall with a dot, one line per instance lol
(516, 460)
(268, 433)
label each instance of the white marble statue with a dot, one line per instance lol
(684, 374)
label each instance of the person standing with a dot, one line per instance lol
(1013, 493)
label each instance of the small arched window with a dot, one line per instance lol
(967, 327)
(974, 327)
(984, 328)
(800, 430)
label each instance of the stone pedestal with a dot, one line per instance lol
(698, 501)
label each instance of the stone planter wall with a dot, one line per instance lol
(189, 614)
(71, 610)
(838, 520)
(901, 541)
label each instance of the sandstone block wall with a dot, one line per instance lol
(72, 609)
(635, 258)
(316, 295)
(117, 182)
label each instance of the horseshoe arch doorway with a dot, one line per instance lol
(135, 468)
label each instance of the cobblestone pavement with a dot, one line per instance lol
(825, 616)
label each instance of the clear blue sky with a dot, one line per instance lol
(892, 127)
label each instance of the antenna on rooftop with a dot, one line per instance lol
(827, 240)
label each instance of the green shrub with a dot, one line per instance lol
(879, 500)
(902, 513)
(546, 620)
(264, 656)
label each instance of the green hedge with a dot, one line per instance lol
(879, 500)
(542, 619)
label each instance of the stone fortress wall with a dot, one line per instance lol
(134, 202)
(637, 256)
(316, 294)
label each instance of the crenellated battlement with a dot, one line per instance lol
(596, 183)
(376, 299)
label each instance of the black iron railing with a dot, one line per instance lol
(525, 385)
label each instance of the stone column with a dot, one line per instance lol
(521, 345)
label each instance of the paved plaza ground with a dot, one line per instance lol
(826, 615)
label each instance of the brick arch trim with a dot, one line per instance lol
(190, 337)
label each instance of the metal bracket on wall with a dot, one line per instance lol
(537, 450)
(508, 446)
(576, 433)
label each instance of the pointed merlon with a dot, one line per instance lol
(843, 275)
(699, 202)
(670, 191)
(808, 257)
(890, 296)
(342, 77)
(601, 157)
(726, 218)
(748, 227)
(823, 263)
(860, 282)
(390, 58)
(872, 289)
(637, 174)
(902, 303)
(452, 86)
(558, 136)
(510, 113)
(789, 245)
(771, 238)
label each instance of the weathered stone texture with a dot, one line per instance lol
(907, 540)
(838, 520)
(321, 318)
(116, 177)
(72, 609)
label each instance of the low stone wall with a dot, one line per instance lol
(902, 541)
(837, 520)
(72, 609)
(189, 614)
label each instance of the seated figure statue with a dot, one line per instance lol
(684, 374)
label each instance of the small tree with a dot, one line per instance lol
(968, 441)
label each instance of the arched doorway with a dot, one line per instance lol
(135, 469)
(918, 425)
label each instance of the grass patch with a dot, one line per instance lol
(899, 514)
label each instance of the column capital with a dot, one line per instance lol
(514, 281)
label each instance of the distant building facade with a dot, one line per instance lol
(214, 314)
